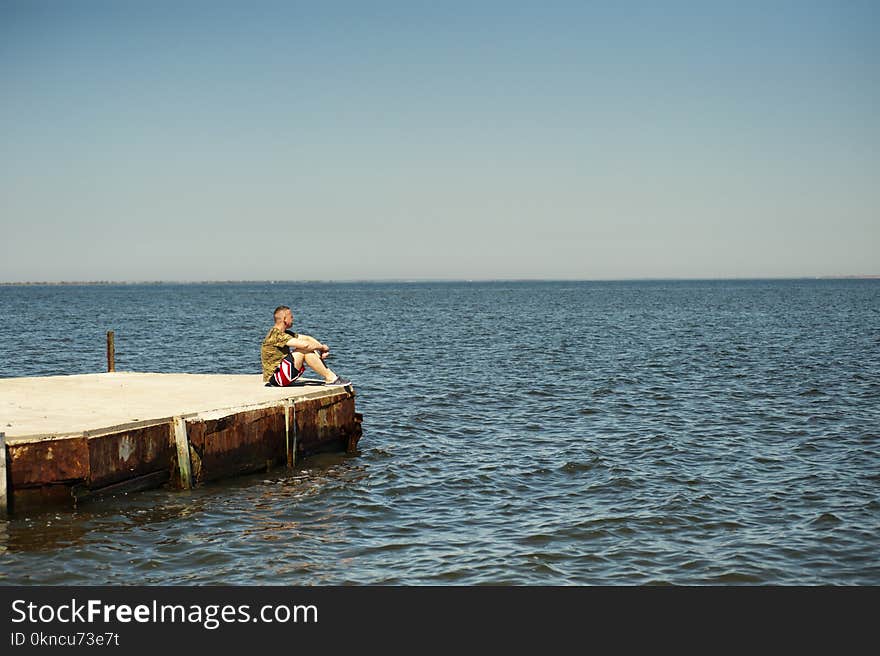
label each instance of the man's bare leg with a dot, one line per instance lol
(317, 364)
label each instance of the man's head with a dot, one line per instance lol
(283, 316)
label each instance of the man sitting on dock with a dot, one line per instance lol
(285, 354)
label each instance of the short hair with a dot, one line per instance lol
(279, 310)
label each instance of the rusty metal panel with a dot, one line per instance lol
(237, 444)
(327, 424)
(129, 454)
(53, 461)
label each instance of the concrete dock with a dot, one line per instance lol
(70, 438)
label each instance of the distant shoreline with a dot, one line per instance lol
(83, 283)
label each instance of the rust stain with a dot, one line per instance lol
(241, 443)
(118, 456)
(57, 461)
(327, 425)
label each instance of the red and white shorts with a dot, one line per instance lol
(286, 372)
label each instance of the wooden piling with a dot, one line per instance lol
(4, 496)
(291, 457)
(290, 432)
(111, 351)
(183, 459)
(287, 433)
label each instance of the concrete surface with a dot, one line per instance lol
(37, 408)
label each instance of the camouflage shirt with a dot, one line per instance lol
(273, 350)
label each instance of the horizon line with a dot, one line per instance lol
(870, 276)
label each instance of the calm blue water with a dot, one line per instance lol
(522, 433)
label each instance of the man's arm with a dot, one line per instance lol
(307, 344)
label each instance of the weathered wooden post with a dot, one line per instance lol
(287, 432)
(183, 460)
(4, 495)
(290, 422)
(111, 351)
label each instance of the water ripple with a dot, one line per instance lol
(663, 433)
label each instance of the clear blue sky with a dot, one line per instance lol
(365, 140)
